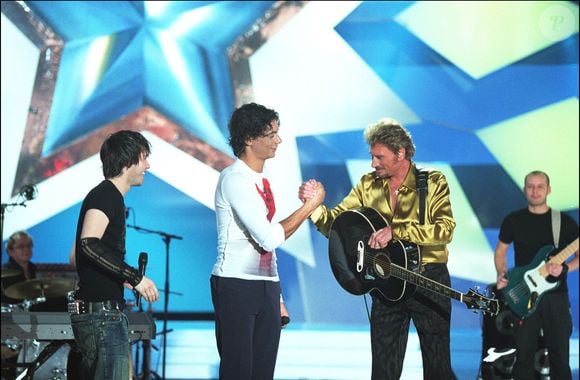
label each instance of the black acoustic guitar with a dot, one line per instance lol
(391, 273)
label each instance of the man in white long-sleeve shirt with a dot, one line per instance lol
(245, 285)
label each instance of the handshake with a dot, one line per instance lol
(311, 191)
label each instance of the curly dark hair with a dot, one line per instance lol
(247, 122)
(121, 150)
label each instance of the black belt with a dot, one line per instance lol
(84, 307)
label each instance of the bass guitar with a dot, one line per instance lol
(527, 284)
(392, 273)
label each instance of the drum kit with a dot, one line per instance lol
(35, 293)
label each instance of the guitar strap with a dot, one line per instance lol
(421, 177)
(556, 219)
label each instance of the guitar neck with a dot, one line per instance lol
(560, 257)
(424, 282)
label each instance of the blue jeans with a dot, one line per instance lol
(103, 339)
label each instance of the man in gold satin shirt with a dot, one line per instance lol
(391, 189)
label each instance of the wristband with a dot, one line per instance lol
(564, 270)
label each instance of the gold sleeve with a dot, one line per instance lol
(368, 192)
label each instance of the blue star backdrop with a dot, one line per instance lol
(489, 91)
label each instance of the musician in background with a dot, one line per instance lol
(100, 327)
(20, 251)
(530, 229)
(19, 248)
(391, 189)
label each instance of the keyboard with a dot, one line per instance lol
(56, 325)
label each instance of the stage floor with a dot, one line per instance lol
(312, 352)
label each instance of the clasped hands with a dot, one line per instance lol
(312, 191)
(311, 188)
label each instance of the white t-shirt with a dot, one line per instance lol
(246, 239)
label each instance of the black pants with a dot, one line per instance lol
(431, 315)
(554, 318)
(247, 327)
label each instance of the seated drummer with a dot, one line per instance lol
(19, 269)
(19, 249)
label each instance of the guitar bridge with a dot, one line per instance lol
(360, 256)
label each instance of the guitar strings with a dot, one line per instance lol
(405, 274)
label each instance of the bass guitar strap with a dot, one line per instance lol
(556, 219)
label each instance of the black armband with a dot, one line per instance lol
(110, 261)
(564, 271)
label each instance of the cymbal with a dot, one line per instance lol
(7, 272)
(41, 287)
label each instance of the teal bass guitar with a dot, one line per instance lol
(527, 284)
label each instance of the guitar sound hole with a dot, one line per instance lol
(381, 265)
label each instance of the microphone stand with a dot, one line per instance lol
(167, 240)
(145, 368)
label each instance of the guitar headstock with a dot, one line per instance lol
(477, 301)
